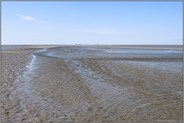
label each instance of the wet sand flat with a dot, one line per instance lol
(92, 84)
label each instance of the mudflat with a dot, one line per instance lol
(91, 83)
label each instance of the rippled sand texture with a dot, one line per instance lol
(13, 65)
(92, 84)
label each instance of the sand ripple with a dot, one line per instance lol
(88, 84)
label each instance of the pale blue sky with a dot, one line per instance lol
(92, 23)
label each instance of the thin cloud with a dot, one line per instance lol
(29, 18)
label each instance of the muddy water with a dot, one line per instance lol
(88, 84)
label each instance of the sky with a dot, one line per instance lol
(120, 23)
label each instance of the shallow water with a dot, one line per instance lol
(117, 53)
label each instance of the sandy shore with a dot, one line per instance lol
(36, 88)
(13, 65)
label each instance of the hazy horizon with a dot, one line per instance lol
(92, 23)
